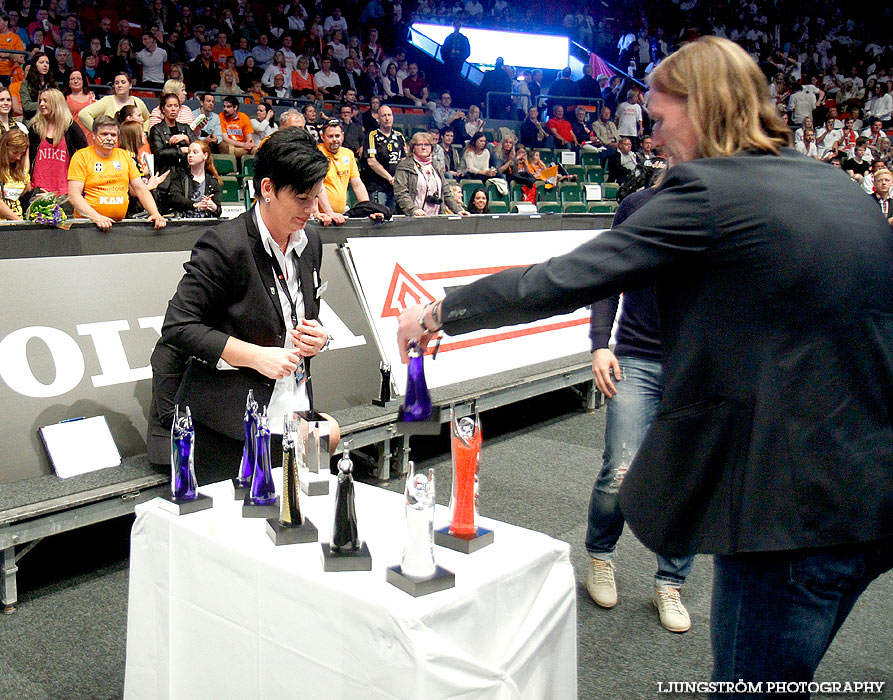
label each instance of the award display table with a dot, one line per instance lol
(216, 610)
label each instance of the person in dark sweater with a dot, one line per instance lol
(630, 377)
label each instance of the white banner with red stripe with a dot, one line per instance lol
(399, 272)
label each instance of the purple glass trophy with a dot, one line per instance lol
(463, 534)
(261, 501)
(290, 527)
(184, 497)
(346, 552)
(417, 415)
(417, 573)
(242, 483)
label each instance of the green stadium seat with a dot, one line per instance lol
(570, 192)
(609, 190)
(590, 158)
(601, 208)
(577, 170)
(468, 188)
(517, 193)
(230, 192)
(544, 194)
(498, 207)
(573, 208)
(226, 164)
(248, 165)
(594, 173)
(549, 208)
(547, 154)
(494, 195)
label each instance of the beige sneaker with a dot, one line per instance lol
(600, 583)
(673, 614)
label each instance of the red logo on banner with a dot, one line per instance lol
(404, 291)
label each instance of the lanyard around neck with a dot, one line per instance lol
(283, 285)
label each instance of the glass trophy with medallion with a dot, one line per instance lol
(346, 551)
(291, 527)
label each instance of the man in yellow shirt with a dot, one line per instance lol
(343, 169)
(100, 176)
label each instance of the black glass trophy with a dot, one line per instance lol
(346, 552)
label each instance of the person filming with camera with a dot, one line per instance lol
(418, 182)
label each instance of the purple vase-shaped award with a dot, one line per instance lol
(249, 449)
(183, 484)
(417, 406)
(263, 490)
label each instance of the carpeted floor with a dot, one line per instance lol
(67, 640)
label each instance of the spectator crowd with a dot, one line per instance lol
(344, 72)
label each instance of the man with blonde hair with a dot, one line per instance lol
(772, 447)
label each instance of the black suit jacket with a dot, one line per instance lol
(774, 431)
(228, 290)
(616, 171)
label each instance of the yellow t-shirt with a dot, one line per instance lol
(105, 180)
(342, 168)
(12, 190)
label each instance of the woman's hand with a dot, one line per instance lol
(275, 363)
(309, 337)
(156, 179)
(419, 212)
(409, 329)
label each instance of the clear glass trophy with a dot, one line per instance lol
(463, 534)
(242, 483)
(418, 574)
(314, 431)
(346, 552)
(261, 501)
(290, 527)
(184, 497)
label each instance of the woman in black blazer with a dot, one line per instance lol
(225, 333)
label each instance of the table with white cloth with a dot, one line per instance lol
(217, 611)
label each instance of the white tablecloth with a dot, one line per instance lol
(217, 611)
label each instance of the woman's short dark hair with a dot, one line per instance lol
(167, 96)
(290, 159)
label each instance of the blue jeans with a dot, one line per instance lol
(385, 198)
(774, 614)
(629, 415)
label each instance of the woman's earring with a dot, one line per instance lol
(267, 200)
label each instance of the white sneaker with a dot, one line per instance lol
(673, 614)
(600, 583)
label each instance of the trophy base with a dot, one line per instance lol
(240, 488)
(360, 560)
(184, 506)
(314, 484)
(440, 580)
(466, 544)
(252, 511)
(390, 403)
(291, 534)
(429, 426)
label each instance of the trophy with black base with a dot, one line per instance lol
(417, 416)
(346, 552)
(314, 431)
(418, 574)
(242, 483)
(184, 497)
(290, 527)
(261, 501)
(384, 396)
(462, 534)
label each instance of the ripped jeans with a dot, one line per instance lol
(629, 415)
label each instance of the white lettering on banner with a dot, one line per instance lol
(397, 272)
(68, 357)
(16, 371)
(106, 336)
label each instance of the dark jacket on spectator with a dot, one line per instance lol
(168, 156)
